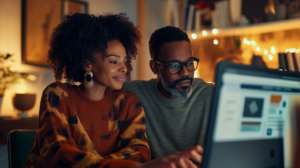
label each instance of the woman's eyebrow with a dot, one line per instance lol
(114, 55)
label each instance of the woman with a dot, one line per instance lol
(90, 125)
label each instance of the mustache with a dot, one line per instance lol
(182, 79)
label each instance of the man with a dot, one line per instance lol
(176, 105)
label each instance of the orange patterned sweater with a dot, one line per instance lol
(74, 131)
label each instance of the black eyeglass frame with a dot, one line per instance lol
(181, 65)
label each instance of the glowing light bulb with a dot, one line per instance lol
(204, 33)
(245, 41)
(216, 42)
(273, 51)
(292, 50)
(270, 57)
(266, 52)
(194, 36)
(253, 42)
(287, 50)
(258, 49)
(214, 31)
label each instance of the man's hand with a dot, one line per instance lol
(177, 160)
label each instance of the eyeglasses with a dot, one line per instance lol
(175, 67)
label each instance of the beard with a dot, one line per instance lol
(171, 88)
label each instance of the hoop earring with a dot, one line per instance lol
(88, 80)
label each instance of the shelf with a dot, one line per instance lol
(251, 29)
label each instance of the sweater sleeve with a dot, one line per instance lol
(133, 142)
(54, 145)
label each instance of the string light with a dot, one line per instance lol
(194, 36)
(214, 31)
(270, 57)
(273, 51)
(266, 52)
(204, 33)
(216, 42)
(253, 42)
(258, 49)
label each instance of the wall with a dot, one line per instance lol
(10, 42)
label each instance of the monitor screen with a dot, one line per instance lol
(256, 106)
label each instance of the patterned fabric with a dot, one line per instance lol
(74, 131)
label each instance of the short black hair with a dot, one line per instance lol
(78, 36)
(165, 35)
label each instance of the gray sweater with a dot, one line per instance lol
(173, 124)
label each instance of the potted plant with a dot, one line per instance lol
(7, 76)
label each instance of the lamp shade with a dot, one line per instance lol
(24, 102)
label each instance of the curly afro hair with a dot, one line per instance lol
(78, 36)
(165, 35)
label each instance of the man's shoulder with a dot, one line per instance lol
(202, 87)
(137, 84)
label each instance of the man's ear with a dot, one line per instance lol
(153, 66)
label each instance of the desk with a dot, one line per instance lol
(8, 124)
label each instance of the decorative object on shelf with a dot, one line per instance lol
(293, 9)
(257, 60)
(24, 102)
(38, 20)
(243, 21)
(235, 11)
(280, 12)
(270, 10)
(8, 77)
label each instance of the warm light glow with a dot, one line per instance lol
(245, 41)
(248, 42)
(270, 57)
(204, 33)
(258, 49)
(273, 51)
(253, 42)
(216, 42)
(292, 50)
(297, 51)
(31, 77)
(214, 31)
(194, 36)
(22, 89)
(287, 50)
(266, 52)
(195, 75)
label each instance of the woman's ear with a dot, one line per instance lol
(153, 66)
(88, 66)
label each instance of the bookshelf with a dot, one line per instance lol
(250, 29)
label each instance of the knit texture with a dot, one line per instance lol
(173, 124)
(74, 131)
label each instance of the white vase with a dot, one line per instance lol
(235, 11)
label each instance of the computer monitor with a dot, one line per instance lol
(251, 117)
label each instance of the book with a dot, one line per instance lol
(286, 62)
(190, 18)
(193, 28)
(281, 61)
(297, 56)
(186, 17)
(290, 63)
(198, 19)
(295, 62)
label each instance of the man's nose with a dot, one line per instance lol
(184, 71)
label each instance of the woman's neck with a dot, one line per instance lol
(96, 93)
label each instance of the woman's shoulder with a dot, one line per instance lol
(58, 87)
